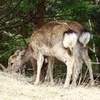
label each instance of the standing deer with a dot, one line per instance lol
(22, 68)
(80, 50)
(54, 39)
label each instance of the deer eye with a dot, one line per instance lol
(11, 64)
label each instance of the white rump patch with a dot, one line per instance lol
(70, 40)
(84, 38)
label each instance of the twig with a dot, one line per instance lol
(94, 62)
(94, 49)
(85, 76)
(4, 68)
(79, 82)
(6, 52)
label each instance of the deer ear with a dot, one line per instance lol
(22, 52)
(17, 52)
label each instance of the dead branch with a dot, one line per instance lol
(3, 67)
(94, 48)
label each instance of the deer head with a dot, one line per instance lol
(15, 62)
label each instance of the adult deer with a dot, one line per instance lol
(53, 39)
(80, 50)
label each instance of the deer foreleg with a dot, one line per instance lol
(40, 61)
(50, 69)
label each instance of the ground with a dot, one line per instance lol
(17, 87)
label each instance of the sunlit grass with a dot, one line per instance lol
(17, 87)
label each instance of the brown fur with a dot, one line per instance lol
(47, 41)
(50, 34)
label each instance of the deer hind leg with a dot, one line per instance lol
(76, 70)
(40, 61)
(63, 55)
(70, 65)
(87, 60)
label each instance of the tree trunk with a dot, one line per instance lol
(40, 14)
(97, 1)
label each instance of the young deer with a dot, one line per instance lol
(54, 39)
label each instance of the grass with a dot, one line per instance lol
(17, 87)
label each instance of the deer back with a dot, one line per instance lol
(51, 34)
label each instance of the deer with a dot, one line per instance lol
(51, 42)
(23, 68)
(80, 50)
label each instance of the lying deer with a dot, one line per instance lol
(51, 42)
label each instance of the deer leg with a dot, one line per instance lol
(50, 69)
(76, 70)
(70, 65)
(88, 63)
(44, 71)
(40, 61)
(34, 65)
(86, 59)
(24, 69)
(68, 58)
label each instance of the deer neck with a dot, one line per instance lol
(26, 56)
